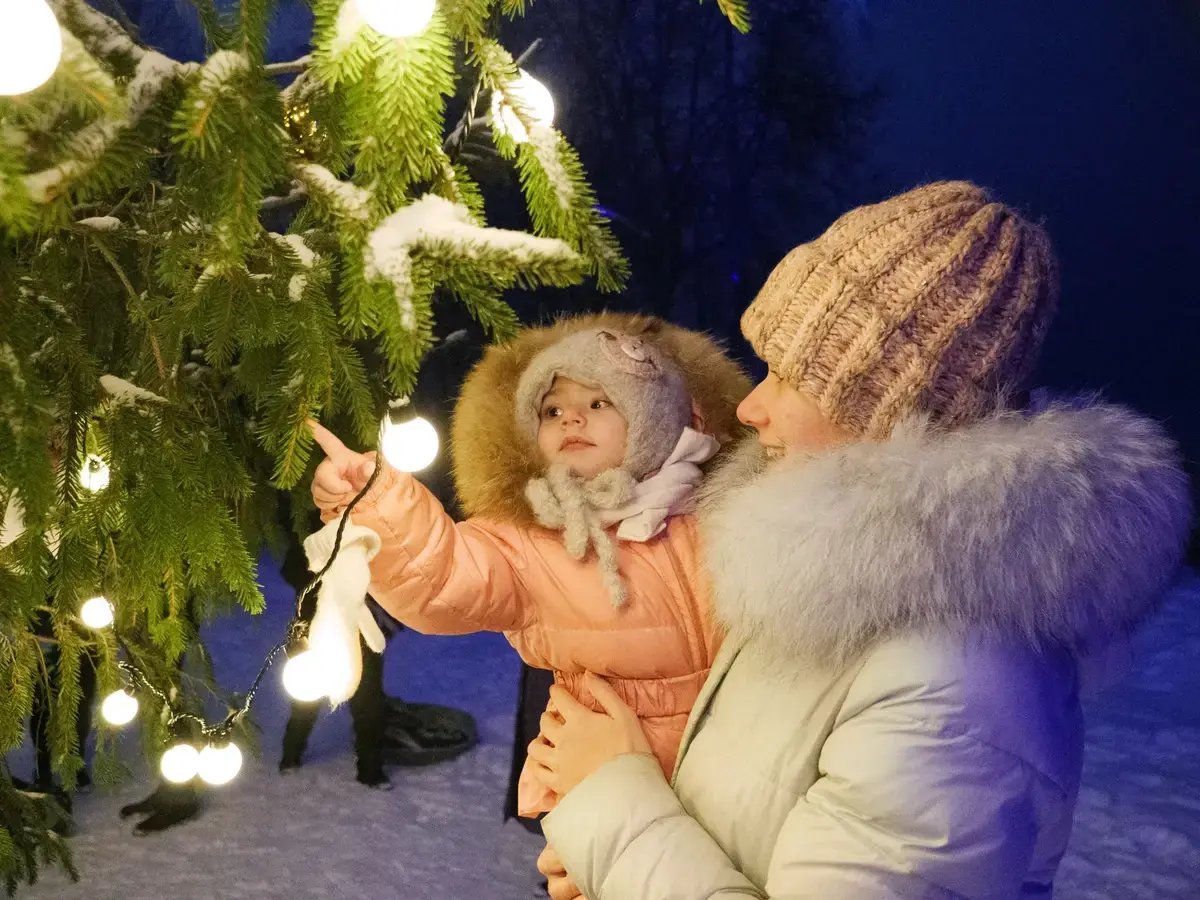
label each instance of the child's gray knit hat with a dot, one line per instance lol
(643, 384)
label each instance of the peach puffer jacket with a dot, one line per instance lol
(500, 571)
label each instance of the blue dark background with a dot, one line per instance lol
(1084, 114)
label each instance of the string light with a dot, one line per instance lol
(397, 18)
(409, 442)
(180, 763)
(534, 100)
(219, 764)
(95, 473)
(302, 677)
(30, 45)
(96, 613)
(119, 708)
(320, 668)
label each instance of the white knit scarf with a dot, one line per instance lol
(583, 509)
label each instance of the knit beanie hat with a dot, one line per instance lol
(936, 301)
(643, 384)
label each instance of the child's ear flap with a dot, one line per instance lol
(698, 422)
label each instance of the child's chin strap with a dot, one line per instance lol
(565, 502)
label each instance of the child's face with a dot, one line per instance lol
(578, 426)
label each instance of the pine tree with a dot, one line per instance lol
(161, 347)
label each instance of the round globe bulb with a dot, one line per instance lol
(96, 613)
(119, 708)
(30, 45)
(220, 764)
(409, 446)
(304, 678)
(180, 763)
(397, 18)
(95, 474)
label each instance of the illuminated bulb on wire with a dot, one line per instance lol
(96, 613)
(30, 45)
(119, 708)
(94, 475)
(409, 442)
(303, 677)
(219, 764)
(535, 101)
(180, 763)
(397, 18)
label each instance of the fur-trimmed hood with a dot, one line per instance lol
(493, 462)
(1061, 528)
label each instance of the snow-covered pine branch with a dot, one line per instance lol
(434, 220)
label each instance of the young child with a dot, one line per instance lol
(577, 450)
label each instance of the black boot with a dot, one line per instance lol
(169, 805)
(421, 734)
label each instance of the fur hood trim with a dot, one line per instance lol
(493, 462)
(1056, 529)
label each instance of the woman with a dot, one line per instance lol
(908, 577)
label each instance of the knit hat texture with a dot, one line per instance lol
(936, 300)
(643, 384)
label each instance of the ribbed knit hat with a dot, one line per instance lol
(935, 300)
(643, 384)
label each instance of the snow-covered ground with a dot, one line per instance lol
(318, 835)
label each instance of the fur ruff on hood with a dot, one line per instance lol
(1056, 529)
(493, 462)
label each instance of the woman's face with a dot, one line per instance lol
(788, 421)
(580, 428)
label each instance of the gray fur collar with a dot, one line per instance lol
(1060, 528)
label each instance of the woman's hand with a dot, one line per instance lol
(341, 475)
(575, 741)
(559, 885)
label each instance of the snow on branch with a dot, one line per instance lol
(125, 393)
(544, 141)
(434, 220)
(344, 198)
(101, 223)
(307, 257)
(90, 143)
(217, 72)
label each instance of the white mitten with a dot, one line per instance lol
(342, 612)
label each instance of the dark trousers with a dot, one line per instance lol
(533, 692)
(367, 711)
(368, 706)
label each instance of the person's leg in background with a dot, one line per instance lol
(368, 708)
(533, 693)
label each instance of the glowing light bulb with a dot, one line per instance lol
(303, 677)
(95, 474)
(535, 101)
(219, 764)
(30, 45)
(96, 613)
(180, 763)
(397, 18)
(119, 708)
(408, 444)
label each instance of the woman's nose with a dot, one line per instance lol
(751, 411)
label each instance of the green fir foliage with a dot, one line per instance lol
(196, 259)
